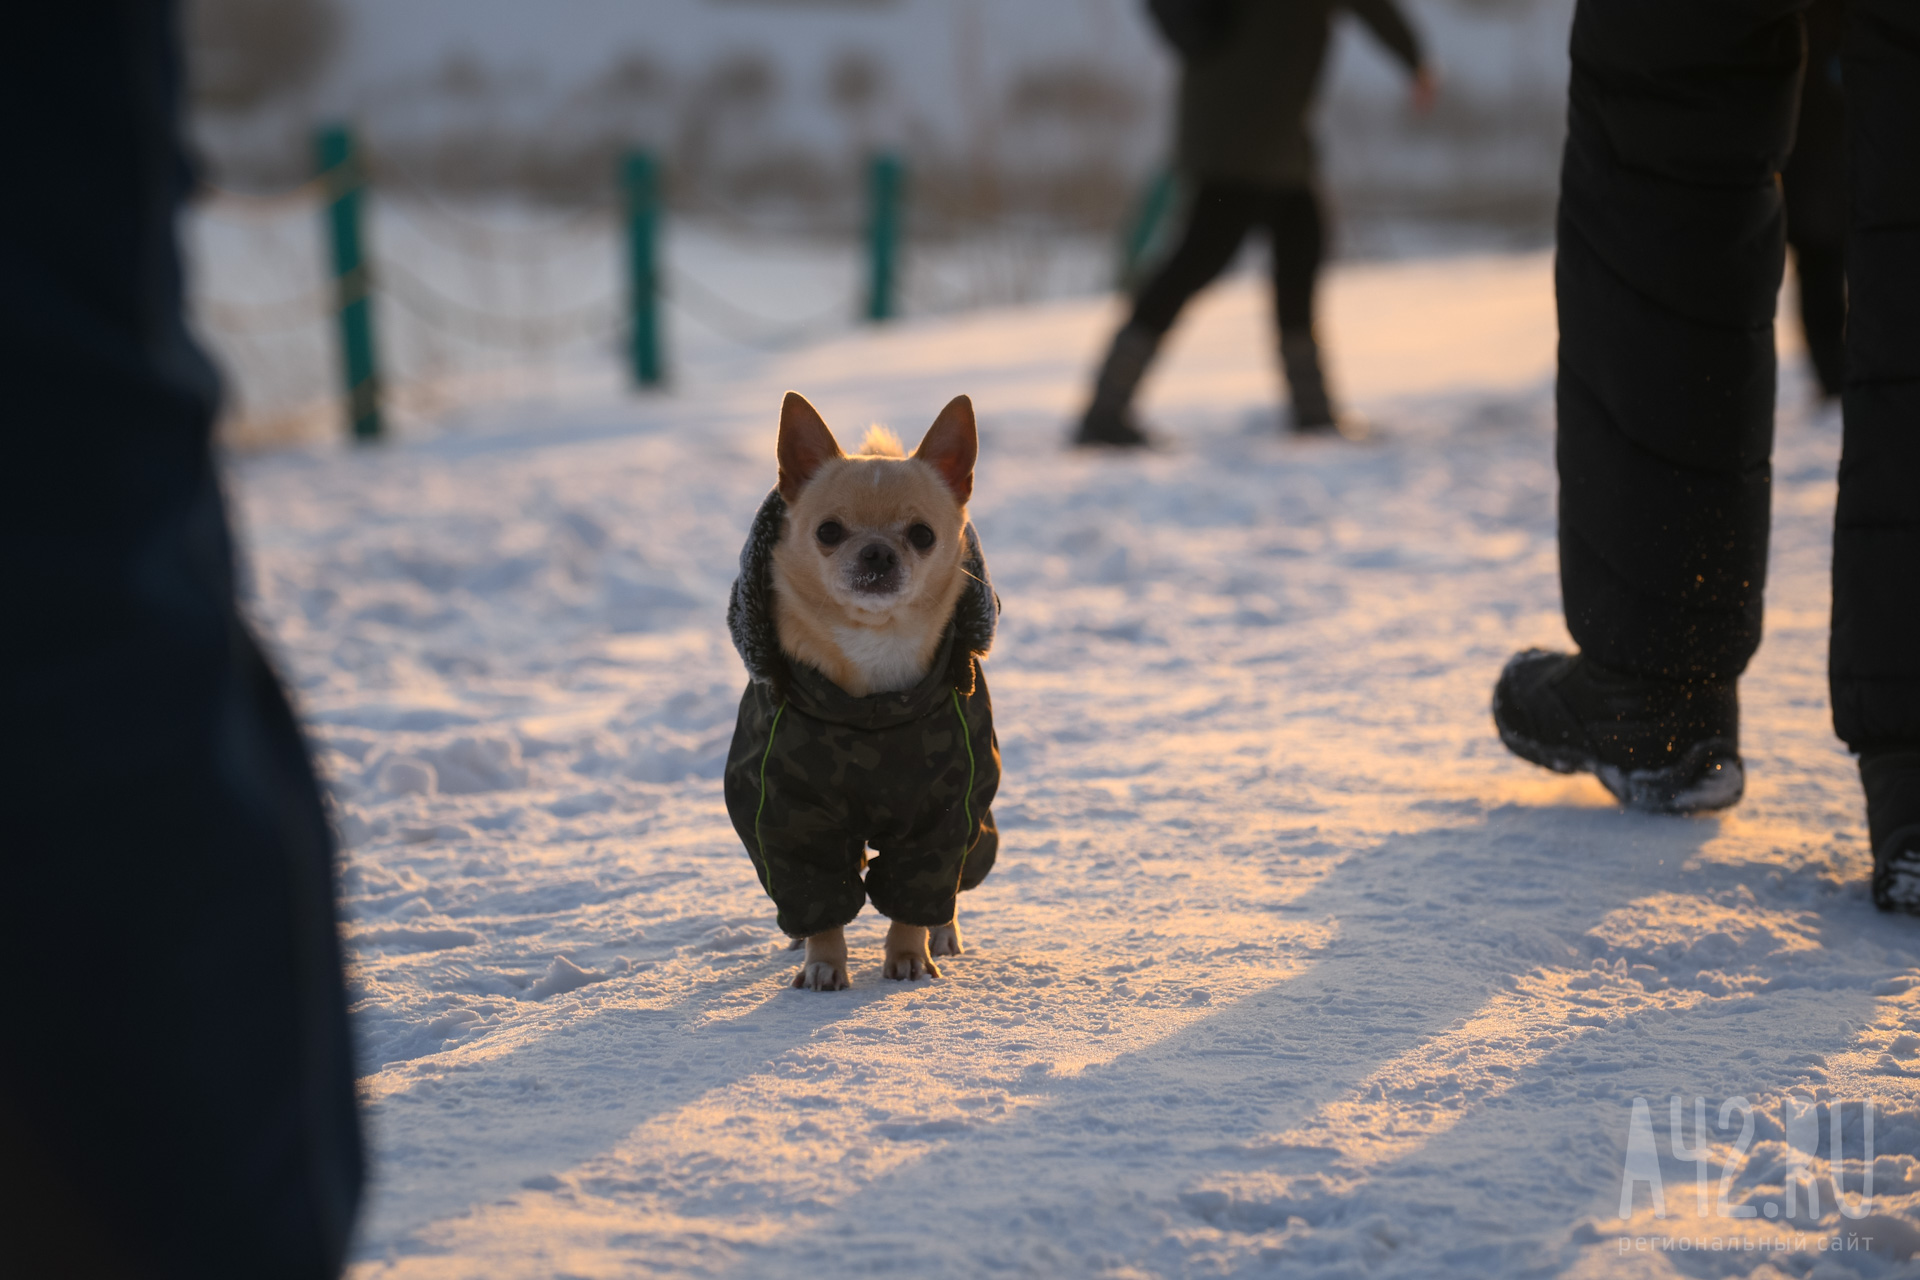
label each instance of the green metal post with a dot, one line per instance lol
(344, 180)
(1143, 229)
(640, 179)
(885, 177)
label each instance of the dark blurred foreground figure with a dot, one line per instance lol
(1670, 256)
(1814, 183)
(1248, 72)
(176, 1092)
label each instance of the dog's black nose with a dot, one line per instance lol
(877, 557)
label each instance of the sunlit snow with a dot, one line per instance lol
(1287, 967)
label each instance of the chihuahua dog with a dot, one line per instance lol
(867, 723)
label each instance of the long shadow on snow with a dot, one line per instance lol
(1433, 925)
(1527, 1179)
(487, 1128)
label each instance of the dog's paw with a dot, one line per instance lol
(825, 965)
(944, 939)
(908, 965)
(822, 975)
(906, 952)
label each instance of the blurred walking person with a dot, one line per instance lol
(1814, 183)
(176, 1086)
(1248, 73)
(1671, 249)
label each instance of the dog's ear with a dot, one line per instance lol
(951, 445)
(805, 445)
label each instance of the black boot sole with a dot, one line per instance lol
(1093, 433)
(1896, 872)
(1709, 775)
(1706, 778)
(1891, 777)
(1101, 442)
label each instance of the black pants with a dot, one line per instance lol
(176, 1086)
(1671, 253)
(1222, 213)
(1820, 272)
(1814, 184)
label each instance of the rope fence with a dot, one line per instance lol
(501, 330)
(749, 328)
(289, 337)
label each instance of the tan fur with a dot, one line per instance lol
(864, 643)
(906, 953)
(881, 443)
(825, 967)
(908, 950)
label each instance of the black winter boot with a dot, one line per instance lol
(1658, 746)
(1109, 419)
(1306, 384)
(1891, 776)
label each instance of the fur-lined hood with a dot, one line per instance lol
(750, 608)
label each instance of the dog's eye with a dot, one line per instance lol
(830, 533)
(921, 536)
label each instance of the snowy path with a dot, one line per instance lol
(1287, 967)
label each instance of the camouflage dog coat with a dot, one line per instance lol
(816, 777)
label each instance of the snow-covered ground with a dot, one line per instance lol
(1287, 967)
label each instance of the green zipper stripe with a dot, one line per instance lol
(966, 736)
(761, 808)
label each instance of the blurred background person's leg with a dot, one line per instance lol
(1875, 660)
(175, 1080)
(1671, 248)
(1815, 185)
(1218, 220)
(1297, 233)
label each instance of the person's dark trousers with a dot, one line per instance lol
(1220, 216)
(1820, 275)
(1670, 256)
(176, 1082)
(1875, 657)
(1814, 184)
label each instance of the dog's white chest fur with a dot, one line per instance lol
(888, 657)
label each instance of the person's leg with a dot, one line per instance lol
(176, 1082)
(1874, 664)
(1814, 185)
(1217, 222)
(1297, 232)
(1220, 218)
(1670, 256)
(1815, 189)
(1820, 274)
